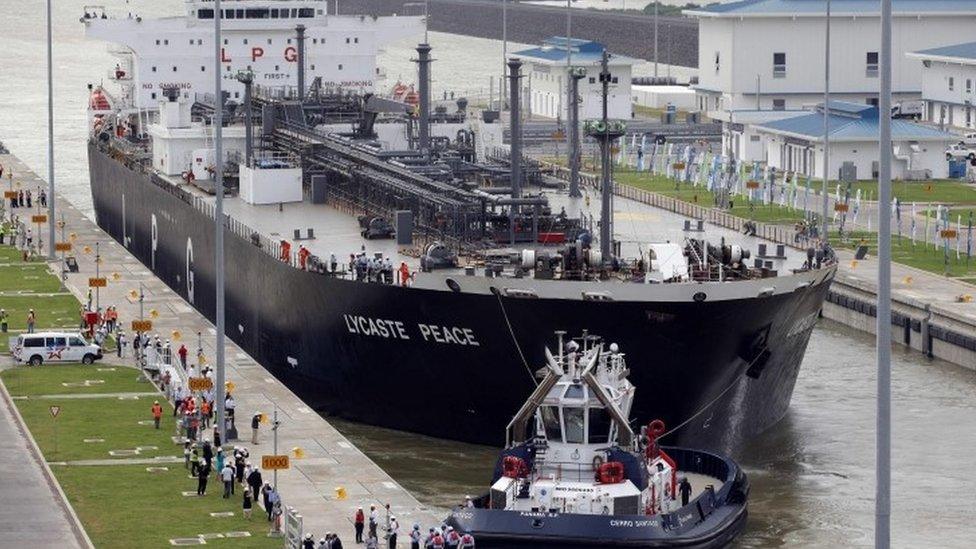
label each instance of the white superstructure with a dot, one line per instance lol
(949, 85)
(257, 35)
(769, 54)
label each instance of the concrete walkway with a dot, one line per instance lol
(330, 461)
(34, 513)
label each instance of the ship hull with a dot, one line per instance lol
(458, 365)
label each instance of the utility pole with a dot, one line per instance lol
(882, 512)
(501, 96)
(274, 429)
(826, 125)
(219, 222)
(98, 262)
(656, 3)
(50, 134)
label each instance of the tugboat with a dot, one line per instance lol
(574, 473)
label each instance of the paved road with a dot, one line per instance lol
(32, 513)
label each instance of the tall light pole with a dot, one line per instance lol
(219, 222)
(826, 127)
(501, 102)
(656, 2)
(882, 511)
(50, 135)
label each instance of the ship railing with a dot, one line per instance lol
(565, 471)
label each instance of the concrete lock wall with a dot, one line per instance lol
(933, 331)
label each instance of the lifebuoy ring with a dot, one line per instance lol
(611, 472)
(514, 467)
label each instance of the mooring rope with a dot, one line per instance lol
(511, 332)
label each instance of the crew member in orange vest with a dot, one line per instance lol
(303, 254)
(404, 274)
(157, 412)
(285, 251)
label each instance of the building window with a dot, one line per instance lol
(203, 68)
(717, 63)
(237, 95)
(779, 104)
(312, 67)
(199, 41)
(871, 66)
(276, 67)
(225, 41)
(969, 85)
(269, 41)
(347, 40)
(952, 83)
(355, 40)
(202, 14)
(165, 42)
(228, 68)
(779, 65)
(153, 95)
(154, 68)
(592, 80)
(315, 40)
(228, 14)
(157, 42)
(340, 66)
(245, 41)
(174, 68)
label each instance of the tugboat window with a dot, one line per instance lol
(575, 433)
(599, 426)
(575, 392)
(550, 421)
(205, 14)
(306, 12)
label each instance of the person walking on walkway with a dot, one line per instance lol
(157, 412)
(254, 480)
(3, 321)
(684, 488)
(227, 475)
(392, 530)
(373, 521)
(255, 423)
(415, 537)
(182, 352)
(31, 320)
(360, 522)
(266, 499)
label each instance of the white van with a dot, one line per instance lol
(41, 347)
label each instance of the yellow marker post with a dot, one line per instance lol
(340, 493)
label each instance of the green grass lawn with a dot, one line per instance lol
(30, 277)
(919, 256)
(948, 191)
(112, 419)
(954, 213)
(124, 506)
(18, 281)
(756, 211)
(49, 379)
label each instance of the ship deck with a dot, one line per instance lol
(336, 231)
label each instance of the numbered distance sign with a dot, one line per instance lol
(201, 383)
(274, 463)
(142, 325)
(97, 282)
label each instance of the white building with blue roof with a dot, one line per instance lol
(770, 53)
(949, 84)
(795, 144)
(546, 70)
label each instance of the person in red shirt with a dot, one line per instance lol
(182, 352)
(360, 522)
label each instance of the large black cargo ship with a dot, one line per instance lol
(454, 356)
